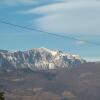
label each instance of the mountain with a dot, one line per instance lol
(38, 58)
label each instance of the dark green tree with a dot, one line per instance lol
(2, 96)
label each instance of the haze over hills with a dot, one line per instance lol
(81, 82)
(38, 58)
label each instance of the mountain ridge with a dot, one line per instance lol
(38, 58)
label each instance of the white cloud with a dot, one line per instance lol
(80, 42)
(65, 6)
(69, 17)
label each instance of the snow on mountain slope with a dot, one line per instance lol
(38, 58)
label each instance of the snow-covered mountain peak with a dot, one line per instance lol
(53, 52)
(38, 58)
(76, 56)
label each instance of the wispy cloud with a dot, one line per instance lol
(80, 42)
(79, 16)
(15, 2)
(27, 2)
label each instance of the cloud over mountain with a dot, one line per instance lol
(69, 17)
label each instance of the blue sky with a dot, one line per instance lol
(75, 18)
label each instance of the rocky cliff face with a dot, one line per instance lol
(40, 58)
